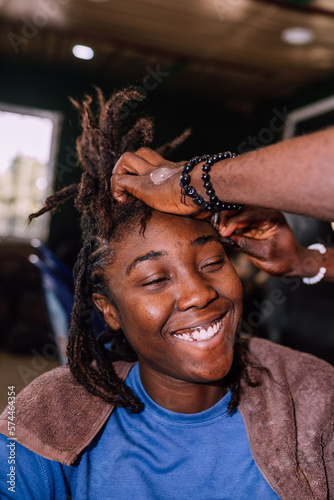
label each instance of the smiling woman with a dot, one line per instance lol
(180, 405)
(185, 301)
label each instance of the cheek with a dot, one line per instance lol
(234, 288)
(154, 311)
(150, 309)
(141, 318)
(239, 293)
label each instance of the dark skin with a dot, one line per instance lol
(262, 233)
(296, 176)
(266, 237)
(171, 282)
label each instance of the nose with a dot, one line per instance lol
(195, 291)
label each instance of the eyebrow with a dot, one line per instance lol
(152, 255)
(203, 240)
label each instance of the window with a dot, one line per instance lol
(310, 118)
(29, 141)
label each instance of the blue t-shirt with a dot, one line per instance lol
(155, 455)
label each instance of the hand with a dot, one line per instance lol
(132, 174)
(266, 237)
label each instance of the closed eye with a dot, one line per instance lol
(217, 264)
(155, 282)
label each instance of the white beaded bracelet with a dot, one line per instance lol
(322, 271)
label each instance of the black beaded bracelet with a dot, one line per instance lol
(214, 204)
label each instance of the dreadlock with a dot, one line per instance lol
(100, 145)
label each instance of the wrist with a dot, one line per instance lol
(307, 264)
(216, 175)
(213, 203)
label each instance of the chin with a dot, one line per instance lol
(212, 372)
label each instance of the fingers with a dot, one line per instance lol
(226, 227)
(229, 222)
(130, 169)
(133, 184)
(254, 220)
(258, 249)
(223, 224)
(131, 163)
(152, 157)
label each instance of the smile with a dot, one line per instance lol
(200, 333)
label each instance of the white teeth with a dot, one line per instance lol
(203, 334)
(200, 334)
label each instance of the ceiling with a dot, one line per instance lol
(226, 49)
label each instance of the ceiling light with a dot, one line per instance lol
(297, 36)
(83, 52)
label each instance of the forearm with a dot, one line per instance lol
(296, 176)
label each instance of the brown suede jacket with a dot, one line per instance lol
(289, 419)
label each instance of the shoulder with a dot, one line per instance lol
(303, 373)
(58, 390)
(56, 417)
(289, 418)
(55, 389)
(277, 357)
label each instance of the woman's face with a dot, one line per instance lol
(177, 298)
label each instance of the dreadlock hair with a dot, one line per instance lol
(100, 145)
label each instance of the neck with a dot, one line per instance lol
(178, 395)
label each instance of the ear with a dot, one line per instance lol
(108, 310)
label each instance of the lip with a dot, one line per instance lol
(211, 341)
(205, 323)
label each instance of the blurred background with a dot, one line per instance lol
(241, 73)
